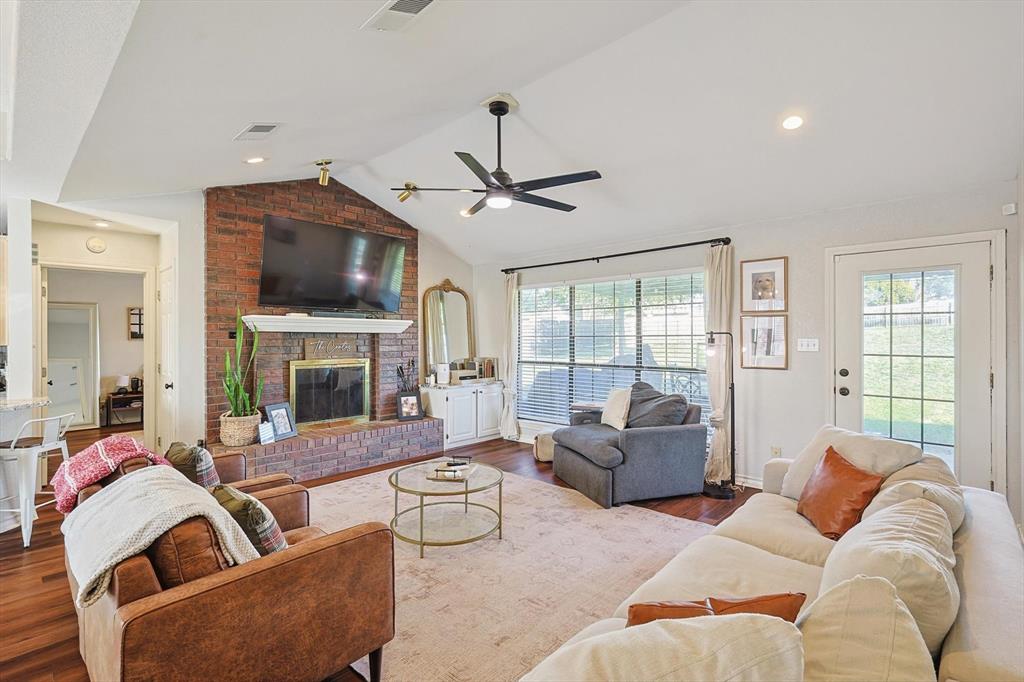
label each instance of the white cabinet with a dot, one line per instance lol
(471, 413)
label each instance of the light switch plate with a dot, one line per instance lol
(807, 345)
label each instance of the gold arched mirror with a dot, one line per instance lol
(447, 325)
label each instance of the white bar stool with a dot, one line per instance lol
(27, 450)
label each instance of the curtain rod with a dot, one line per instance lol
(719, 241)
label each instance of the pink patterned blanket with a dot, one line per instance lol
(93, 464)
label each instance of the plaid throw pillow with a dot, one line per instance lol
(259, 524)
(194, 462)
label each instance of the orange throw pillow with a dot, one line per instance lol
(836, 494)
(785, 606)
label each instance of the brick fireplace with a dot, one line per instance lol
(234, 243)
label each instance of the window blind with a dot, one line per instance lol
(579, 341)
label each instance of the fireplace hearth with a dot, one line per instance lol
(329, 390)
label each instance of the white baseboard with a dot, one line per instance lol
(750, 481)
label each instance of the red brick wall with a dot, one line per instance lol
(234, 245)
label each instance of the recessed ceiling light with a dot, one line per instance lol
(255, 159)
(465, 213)
(100, 223)
(792, 122)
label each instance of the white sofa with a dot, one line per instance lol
(766, 547)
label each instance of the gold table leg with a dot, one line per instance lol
(499, 509)
(421, 526)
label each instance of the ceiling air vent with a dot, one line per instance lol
(395, 15)
(257, 131)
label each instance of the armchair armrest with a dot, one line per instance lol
(230, 466)
(658, 441)
(308, 611)
(774, 471)
(592, 417)
(252, 485)
(288, 503)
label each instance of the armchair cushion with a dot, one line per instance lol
(195, 462)
(597, 442)
(650, 407)
(254, 518)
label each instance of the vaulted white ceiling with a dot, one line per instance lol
(677, 104)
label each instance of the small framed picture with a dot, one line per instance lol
(764, 342)
(266, 433)
(134, 323)
(764, 285)
(283, 421)
(409, 406)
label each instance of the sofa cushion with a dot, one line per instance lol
(835, 495)
(650, 407)
(910, 545)
(597, 442)
(785, 606)
(725, 568)
(186, 552)
(599, 628)
(770, 522)
(616, 408)
(931, 479)
(860, 630)
(740, 647)
(877, 455)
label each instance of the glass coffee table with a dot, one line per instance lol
(448, 521)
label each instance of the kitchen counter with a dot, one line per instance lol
(12, 404)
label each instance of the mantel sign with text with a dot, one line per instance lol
(327, 349)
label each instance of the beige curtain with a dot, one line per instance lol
(510, 359)
(718, 318)
(436, 336)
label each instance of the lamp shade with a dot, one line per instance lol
(123, 381)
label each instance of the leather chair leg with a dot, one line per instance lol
(376, 657)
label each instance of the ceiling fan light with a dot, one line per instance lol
(499, 199)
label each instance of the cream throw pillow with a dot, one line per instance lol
(870, 453)
(931, 479)
(860, 630)
(911, 545)
(747, 646)
(616, 408)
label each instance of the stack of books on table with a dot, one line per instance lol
(454, 469)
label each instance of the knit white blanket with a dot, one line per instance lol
(125, 517)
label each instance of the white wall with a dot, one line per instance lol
(114, 292)
(436, 263)
(784, 408)
(66, 243)
(20, 297)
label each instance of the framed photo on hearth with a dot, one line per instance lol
(764, 342)
(281, 418)
(409, 406)
(764, 285)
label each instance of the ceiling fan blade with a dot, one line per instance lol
(543, 201)
(477, 169)
(475, 207)
(436, 189)
(556, 180)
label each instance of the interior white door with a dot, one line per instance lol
(913, 351)
(461, 416)
(167, 404)
(72, 362)
(488, 412)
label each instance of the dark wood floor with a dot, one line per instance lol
(38, 628)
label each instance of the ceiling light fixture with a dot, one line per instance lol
(792, 122)
(255, 159)
(465, 213)
(410, 187)
(325, 173)
(499, 198)
(100, 223)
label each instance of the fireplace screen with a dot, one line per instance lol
(330, 390)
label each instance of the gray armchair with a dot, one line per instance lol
(639, 462)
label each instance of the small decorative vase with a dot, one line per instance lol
(239, 431)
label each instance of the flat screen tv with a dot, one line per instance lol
(309, 265)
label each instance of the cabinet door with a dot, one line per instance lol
(488, 412)
(460, 422)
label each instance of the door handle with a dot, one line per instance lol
(844, 391)
(171, 385)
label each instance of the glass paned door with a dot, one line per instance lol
(908, 361)
(912, 351)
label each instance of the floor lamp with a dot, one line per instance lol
(723, 490)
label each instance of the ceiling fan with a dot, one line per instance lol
(499, 188)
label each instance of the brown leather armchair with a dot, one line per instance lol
(303, 613)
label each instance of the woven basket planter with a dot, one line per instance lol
(238, 431)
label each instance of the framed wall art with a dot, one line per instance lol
(764, 285)
(764, 342)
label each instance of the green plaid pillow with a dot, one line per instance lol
(259, 524)
(194, 462)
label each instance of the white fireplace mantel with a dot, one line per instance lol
(333, 325)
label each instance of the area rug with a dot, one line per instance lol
(493, 609)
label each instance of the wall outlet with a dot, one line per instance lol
(1009, 209)
(776, 451)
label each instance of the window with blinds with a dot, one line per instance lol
(579, 341)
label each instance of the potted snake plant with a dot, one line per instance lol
(241, 424)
